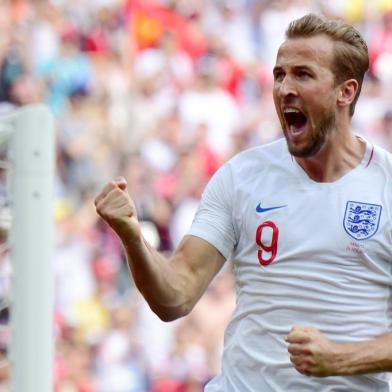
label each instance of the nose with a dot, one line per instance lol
(287, 87)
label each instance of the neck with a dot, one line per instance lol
(342, 152)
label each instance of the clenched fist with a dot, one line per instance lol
(312, 353)
(118, 210)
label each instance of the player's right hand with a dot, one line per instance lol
(114, 205)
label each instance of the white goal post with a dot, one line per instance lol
(29, 133)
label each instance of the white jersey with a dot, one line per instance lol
(305, 253)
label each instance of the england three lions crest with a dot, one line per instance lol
(361, 220)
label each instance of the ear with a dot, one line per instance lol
(347, 92)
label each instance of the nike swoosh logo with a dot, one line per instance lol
(259, 208)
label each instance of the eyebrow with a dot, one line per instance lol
(302, 67)
(295, 67)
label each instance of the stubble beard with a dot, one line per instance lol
(317, 138)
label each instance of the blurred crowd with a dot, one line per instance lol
(161, 92)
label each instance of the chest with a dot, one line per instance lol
(292, 222)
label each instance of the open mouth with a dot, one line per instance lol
(295, 120)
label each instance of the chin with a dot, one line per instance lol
(309, 146)
(304, 151)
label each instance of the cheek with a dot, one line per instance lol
(324, 103)
(275, 95)
(320, 113)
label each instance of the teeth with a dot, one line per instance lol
(290, 110)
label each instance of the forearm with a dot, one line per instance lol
(365, 357)
(163, 287)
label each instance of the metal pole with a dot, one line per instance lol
(32, 236)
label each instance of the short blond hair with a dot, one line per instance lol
(351, 57)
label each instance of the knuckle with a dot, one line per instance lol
(291, 349)
(97, 206)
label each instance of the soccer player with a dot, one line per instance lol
(306, 221)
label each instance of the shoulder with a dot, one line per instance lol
(257, 159)
(251, 166)
(381, 158)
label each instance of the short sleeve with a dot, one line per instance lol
(213, 220)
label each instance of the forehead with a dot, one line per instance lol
(311, 51)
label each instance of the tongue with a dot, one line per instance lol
(294, 130)
(297, 121)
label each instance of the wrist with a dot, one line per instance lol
(342, 359)
(128, 231)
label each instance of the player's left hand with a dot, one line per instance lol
(311, 352)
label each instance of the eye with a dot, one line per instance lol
(279, 76)
(303, 75)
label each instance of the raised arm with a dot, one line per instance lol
(171, 286)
